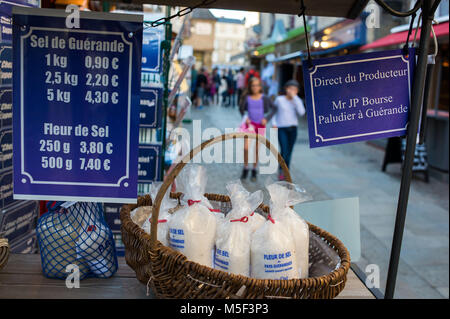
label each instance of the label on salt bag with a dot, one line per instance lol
(176, 238)
(278, 263)
(221, 260)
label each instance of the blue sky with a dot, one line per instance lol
(251, 17)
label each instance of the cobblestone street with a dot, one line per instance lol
(354, 170)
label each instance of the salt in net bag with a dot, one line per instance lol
(95, 246)
(283, 195)
(234, 231)
(192, 228)
(167, 206)
(76, 233)
(57, 234)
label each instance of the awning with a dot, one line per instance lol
(329, 8)
(400, 37)
(264, 49)
(289, 56)
(303, 54)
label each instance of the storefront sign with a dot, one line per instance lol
(150, 114)
(358, 97)
(76, 106)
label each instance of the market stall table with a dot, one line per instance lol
(22, 278)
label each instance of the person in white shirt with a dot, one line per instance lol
(289, 108)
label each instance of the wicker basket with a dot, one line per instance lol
(4, 252)
(171, 275)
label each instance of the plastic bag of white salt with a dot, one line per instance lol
(140, 214)
(283, 195)
(192, 228)
(273, 252)
(234, 232)
(167, 205)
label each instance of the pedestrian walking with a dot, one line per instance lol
(257, 109)
(223, 91)
(288, 108)
(252, 73)
(216, 83)
(207, 100)
(193, 83)
(201, 84)
(231, 88)
(240, 83)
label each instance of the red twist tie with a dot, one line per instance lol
(159, 220)
(215, 210)
(252, 214)
(243, 220)
(271, 219)
(91, 228)
(192, 202)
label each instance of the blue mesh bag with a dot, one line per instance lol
(75, 233)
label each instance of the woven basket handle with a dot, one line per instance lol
(186, 159)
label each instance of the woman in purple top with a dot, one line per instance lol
(259, 109)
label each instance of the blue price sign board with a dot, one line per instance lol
(6, 188)
(152, 53)
(18, 220)
(76, 106)
(5, 149)
(358, 97)
(151, 50)
(150, 114)
(149, 161)
(5, 66)
(6, 16)
(5, 107)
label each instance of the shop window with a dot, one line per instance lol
(229, 45)
(202, 28)
(215, 57)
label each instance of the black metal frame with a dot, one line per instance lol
(428, 8)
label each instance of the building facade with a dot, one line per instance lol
(230, 36)
(202, 35)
